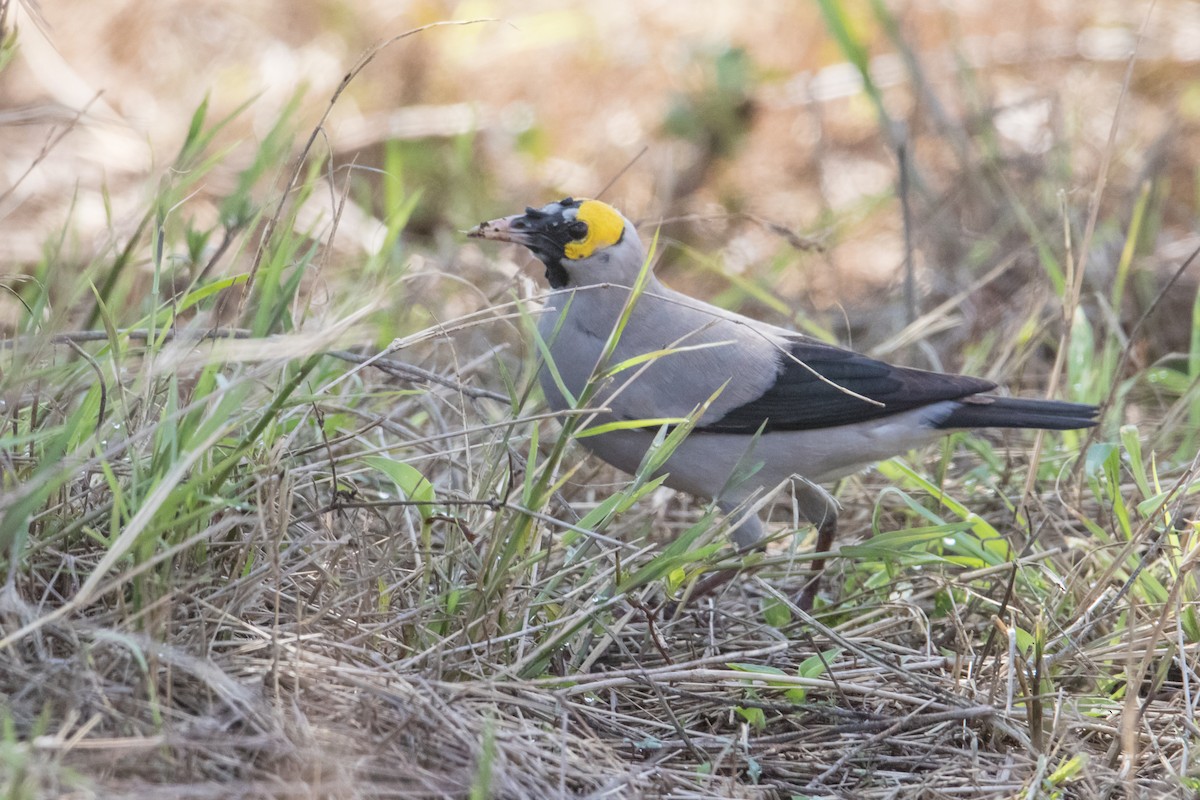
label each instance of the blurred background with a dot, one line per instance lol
(926, 181)
(766, 141)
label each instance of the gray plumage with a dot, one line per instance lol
(804, 410)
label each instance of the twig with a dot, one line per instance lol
(803, 243)
(99, 381)
(622, 172)
(1126, 351)
(391, 366)
(910, 277)
(1076, 270)
(365, 59)
(52, 141)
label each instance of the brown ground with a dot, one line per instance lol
(315, 675)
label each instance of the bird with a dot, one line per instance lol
(766, 405)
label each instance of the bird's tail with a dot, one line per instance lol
(985, 411)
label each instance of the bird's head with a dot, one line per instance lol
(581, 242)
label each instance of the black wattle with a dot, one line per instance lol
(556, 275)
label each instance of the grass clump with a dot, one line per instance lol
(286, 518)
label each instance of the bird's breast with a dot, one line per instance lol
(575, 343)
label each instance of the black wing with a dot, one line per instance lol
(810, 391)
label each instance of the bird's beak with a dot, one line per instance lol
(516, 229)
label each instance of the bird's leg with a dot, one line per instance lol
(826, 530)
(819, 508)
(747, 537)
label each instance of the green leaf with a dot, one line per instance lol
(209, 289)
(675, 578)
(654, 355)
(817, 665)
(754, 716)
(408, 479)
(755, 669)
(775, 612)
(629, 424)
(1068, 769)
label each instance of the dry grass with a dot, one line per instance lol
(282, 517)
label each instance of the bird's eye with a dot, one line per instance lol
(578, 229)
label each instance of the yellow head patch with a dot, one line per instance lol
(605, 227)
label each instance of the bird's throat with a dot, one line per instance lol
(556, 274)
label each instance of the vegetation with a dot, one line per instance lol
(282, 512)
